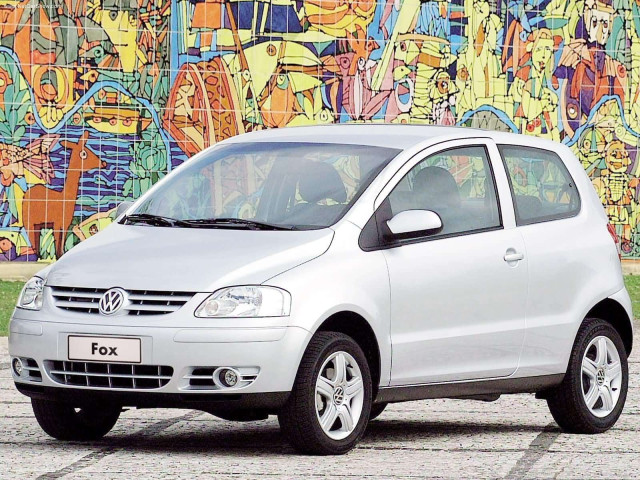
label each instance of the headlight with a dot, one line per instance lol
(249, 301)
(31, 296)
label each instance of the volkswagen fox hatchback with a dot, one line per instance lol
(320, 273)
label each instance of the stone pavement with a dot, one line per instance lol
(514, 437)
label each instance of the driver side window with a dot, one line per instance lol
(457, 184)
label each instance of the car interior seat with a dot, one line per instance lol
(528, 206)
(318, 182)
(438, 191)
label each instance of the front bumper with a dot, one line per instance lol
(271, 355)
(214, 403)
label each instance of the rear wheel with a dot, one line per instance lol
(328, 409)
(66, 422)
(591, 397)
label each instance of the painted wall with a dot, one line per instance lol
(101, 98)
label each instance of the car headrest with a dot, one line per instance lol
(438, 187)
(320, 181)
(528, 206)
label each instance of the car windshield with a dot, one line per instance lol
(265, 185)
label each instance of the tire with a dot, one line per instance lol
(376, 410)
(300, 417)
(595, 382)
(64, 422)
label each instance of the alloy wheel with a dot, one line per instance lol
(339, 395)
(601, 376)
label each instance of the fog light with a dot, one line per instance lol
(17, 366)
(226, 377)
(230, 378)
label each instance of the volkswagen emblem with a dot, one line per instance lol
(112, 301)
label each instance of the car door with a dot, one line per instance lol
(559, 236)
(457, 296)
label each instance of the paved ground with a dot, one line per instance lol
(514, 437)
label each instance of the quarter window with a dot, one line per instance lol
(457, 184)
(542, 187)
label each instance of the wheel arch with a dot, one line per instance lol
(358, 328)
(614, 313)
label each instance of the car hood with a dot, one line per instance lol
(140, 257)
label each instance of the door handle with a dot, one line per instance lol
(512, 256)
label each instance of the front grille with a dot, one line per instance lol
(201, 378)
(108, 375)
(141, 302)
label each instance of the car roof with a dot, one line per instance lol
(400, 136)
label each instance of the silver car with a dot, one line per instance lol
(320, 273)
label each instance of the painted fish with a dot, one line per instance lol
(16, 161)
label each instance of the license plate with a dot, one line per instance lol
(104, 349)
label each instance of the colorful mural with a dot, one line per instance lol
(99, 99)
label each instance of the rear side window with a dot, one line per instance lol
(541, 185)
(457, 184)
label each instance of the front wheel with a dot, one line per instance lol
(591, 397)
(376, 410)
(66, 422)
(329, 406)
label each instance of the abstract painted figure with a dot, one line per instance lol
(618, 192)
(590, 72)
(47, 208)
(535, 102)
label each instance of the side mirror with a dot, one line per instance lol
(122, 207)
(414, 222)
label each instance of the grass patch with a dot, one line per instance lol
(633, 286)
(9, 292)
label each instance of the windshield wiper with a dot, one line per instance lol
(156, 220)
(236, 222)
(162, 221)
